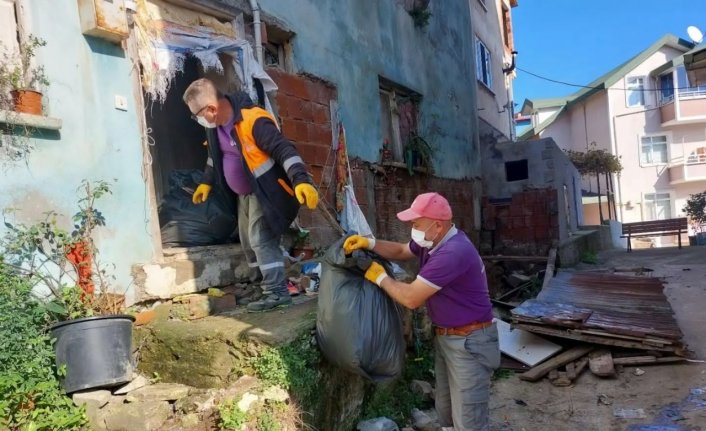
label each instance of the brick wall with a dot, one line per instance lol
(302, 103)
(527, 224)
(303, 106)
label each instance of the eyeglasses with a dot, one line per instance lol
(194, 116)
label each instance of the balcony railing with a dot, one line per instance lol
(687, 170)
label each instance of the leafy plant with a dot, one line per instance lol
(294, 367)
(696, 208)
(589, 258)
(63, 262)
(17, 71)
(231, 417)
(267, 421)
(30, 395)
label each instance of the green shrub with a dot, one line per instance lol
(30, 395)
(231, 417)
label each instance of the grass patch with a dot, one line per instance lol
(502, 374)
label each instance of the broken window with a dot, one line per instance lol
(516, 170)
(399, 108)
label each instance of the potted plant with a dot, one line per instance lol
(93, 340)
(23, 79)
(418, 153)
(695, 209)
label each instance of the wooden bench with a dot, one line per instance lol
(672, 226)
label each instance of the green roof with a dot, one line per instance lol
(602, 82)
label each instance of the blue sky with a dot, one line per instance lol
(577, 41)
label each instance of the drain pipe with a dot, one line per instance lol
(258, 31)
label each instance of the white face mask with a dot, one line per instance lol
(202, 121)
(418, 238)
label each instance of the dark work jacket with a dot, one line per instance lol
(272, 162)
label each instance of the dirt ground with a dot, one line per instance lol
(673, 397)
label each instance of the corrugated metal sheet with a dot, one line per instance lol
(604, 305)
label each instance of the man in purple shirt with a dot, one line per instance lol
(453, 284)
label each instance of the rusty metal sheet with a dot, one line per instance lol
(621, 305)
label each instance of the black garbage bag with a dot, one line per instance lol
(358, 327)
(184, 224)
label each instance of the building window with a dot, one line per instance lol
(507, 28)
(653, 150)
(666, 88)
(399, 108)
(517, 170)
(483, 65)
(657, 206)
(636, 91)
(688, 89)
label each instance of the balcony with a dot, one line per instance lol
(689, 107)
(689, 170)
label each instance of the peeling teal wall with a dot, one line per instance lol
(95, 142)
(352, 42)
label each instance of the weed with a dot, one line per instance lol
(502, 374)
(589, 257)
(294, 367)
(231, 417)
(420, 16)
(267, 421)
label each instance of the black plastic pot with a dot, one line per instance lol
(97, 351)
(692, 240)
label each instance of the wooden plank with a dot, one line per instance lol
(572, 335)
(650, 341)
(601, 363)
(580, 365)
(646, 360)
(541, 370)
(515, 258)
(551, 264)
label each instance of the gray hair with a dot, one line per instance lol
(202, 91)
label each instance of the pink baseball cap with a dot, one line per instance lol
(429, 205)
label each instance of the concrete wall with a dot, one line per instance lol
(548, 168)
(493, 106)
(353, 49)
(95, 142)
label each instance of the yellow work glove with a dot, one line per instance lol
(357, 242)
(376, 273)
(201, 194)
(307, 194)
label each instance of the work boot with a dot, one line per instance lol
(270, 302)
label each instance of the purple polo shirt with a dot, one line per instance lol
(456, 270)
(233, 170)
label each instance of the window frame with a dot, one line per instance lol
(668, 139)
(394, 93)
(646, 202)
(481, 62)
(640, 89)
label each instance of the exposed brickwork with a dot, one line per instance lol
(302, 103)
(303, 106)
(527, 224)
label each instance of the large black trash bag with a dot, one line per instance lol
(184, 224)
(358, 327)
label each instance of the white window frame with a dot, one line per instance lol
(487, 61)
(668, 138)
(645, 203)
(630, 88)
